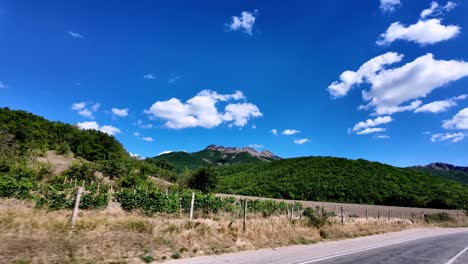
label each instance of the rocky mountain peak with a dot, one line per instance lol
(230, 150)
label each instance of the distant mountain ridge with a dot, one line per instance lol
(214, 155)
(446, 171)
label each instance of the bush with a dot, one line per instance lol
(204, 180)
(317, 218)
(438, 218)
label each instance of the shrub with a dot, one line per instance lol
(438, 218)
(204, 179)
(317, 218)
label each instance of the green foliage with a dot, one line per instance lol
(341, 180)
(27, 132)
(182, 160)
(453, 175)
(318, 217)
(80, 171)
(438, 218)
(204, 180)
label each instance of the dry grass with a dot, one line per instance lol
(30, 235)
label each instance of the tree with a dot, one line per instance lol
(204, 179)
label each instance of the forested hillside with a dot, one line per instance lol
(456, 176)
(25, 132)
(207, 157)
(342, 180)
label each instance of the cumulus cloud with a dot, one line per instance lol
(149, 76)
(424, 32)
(274, 131)
(245, 22)
(459, 121)
(391, 88)
(372, 123)
(83, 110)
(92, 125)
(75, 35)
(436, 10)
(120, 112)
(137, 134)
(350, 78)
(301, 141)
(454, 137)
(371, 130)
(201, 111)
(289, 132)
(389, 6)
(143, 125)
(256, 146)
(2, 86)
(440, 106)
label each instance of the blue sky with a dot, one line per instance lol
(379, 80)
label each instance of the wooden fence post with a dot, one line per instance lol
(75, 182)
(412, 215)
(367, 215)
(378, 214)
(389, 213)
(245, 215)
(167, 192)
(192, 203)
(77, 207)
(65, 180)
(354, 211)
(98, 187)
(292, 213)
(342, 216)
(401, 214)
(82, 185)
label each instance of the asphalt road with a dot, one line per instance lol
(431, 246)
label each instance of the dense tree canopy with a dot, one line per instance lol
(341, 180)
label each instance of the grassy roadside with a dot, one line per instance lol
(31, 235)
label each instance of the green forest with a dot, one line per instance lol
(342, 180)
(24, 137)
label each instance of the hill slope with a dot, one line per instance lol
(215, 156)
(24, 132)
(341, 180)
(446, 171)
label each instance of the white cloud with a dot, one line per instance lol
(434, 6)
(240, 113)
(371, 130)
(137, 134)
(256, 146)
(120, 112)
(289, 132)
(390, 88)
(165, 152)
(301, 141)
(440, 106)
(274, 131)
(449, 6)
(424, 32)
(149, 76)
(78, 106)
(134, 155)
(2, 86)
(350, 78)
(382, 136)
(75, 35)
(149, 139)
(201, 111)
(86, 113)
(454, 137)
(389, 6)
(459, 121)
(244, 22)
(372, 123)
(110, 130)
(82, 109)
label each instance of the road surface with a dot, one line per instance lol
(437, 246)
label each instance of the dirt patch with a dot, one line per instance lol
(60, 163)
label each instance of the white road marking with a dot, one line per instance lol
(380, 246)
(456, 256)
